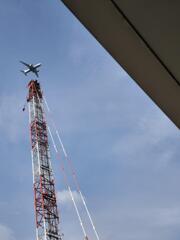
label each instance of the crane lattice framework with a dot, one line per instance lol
(46, 212)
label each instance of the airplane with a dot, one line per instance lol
(31, 68)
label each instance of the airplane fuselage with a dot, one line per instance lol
(31, 67)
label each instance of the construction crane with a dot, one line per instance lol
(47, 218)
(46, 211)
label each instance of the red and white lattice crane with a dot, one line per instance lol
(47, 219)
(46, 212)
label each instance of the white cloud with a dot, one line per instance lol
(168, 216)
(148, 138)
(139, 222)
(65, 198)
(157, 126)
(6, 233)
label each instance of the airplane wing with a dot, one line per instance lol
(37, 65)
(26, 71)
(27, 65)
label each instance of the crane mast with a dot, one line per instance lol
(46, 212)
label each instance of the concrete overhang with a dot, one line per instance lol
(144, 38)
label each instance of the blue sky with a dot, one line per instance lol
(125, 150)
